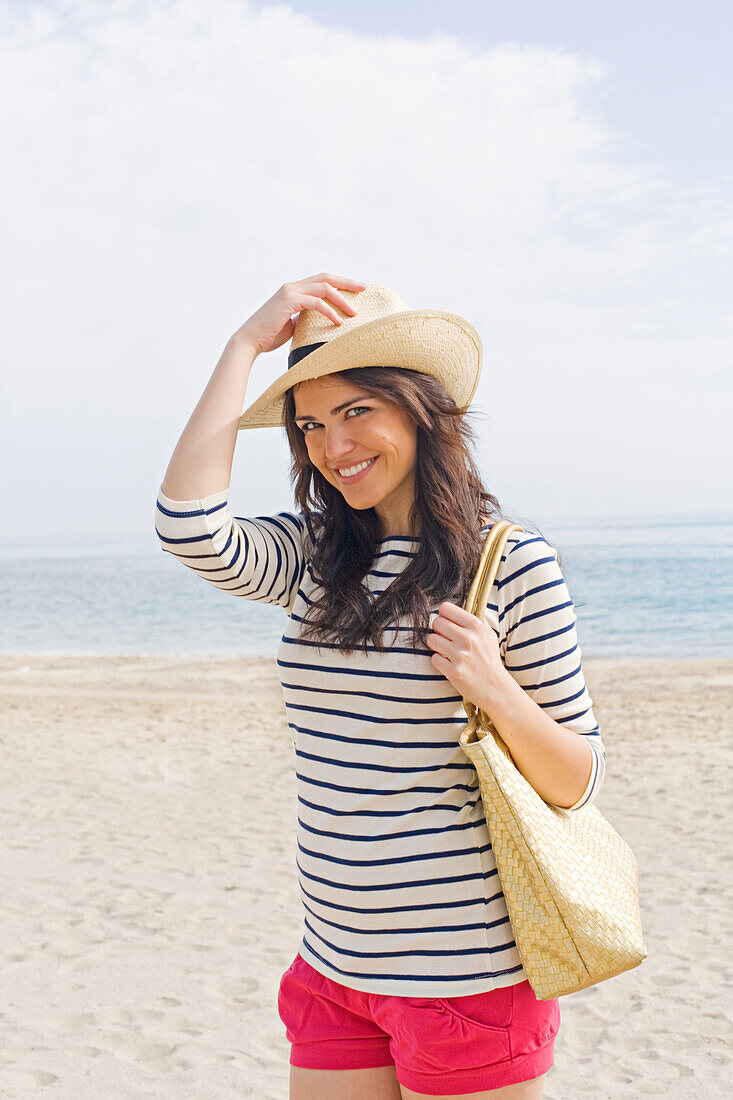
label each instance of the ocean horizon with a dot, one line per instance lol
(644, 586)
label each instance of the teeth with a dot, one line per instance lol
(351, 470)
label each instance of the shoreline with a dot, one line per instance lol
(7, 656)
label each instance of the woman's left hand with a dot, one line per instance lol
(466, 651)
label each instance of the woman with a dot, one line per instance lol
(407, 982)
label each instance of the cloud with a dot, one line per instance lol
(171, 164)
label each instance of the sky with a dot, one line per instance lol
(558, 174)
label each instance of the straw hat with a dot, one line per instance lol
(384, 332)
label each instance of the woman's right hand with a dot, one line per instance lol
(273, 324)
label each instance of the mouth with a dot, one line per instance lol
(358, 476)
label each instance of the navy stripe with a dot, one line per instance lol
(545, 660)
(525, 569)
(371, 790)
(416, 931)
(370, 740)
(566, 699)
(540, 638)
(529, 595)
(390, 768)
(345, 693)
(423, 952)
(411, 885)
(384, 813)
(460, 903)
(388, 836)
(542, 613)
(388, 720)
(193, 513)
(558, 680)
(340, 670)
(412, 977)
(179, 542)
(393, 860)
(575, 717)
(526, 542)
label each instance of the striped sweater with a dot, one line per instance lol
(398, 881)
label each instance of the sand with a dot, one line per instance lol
(149, 891)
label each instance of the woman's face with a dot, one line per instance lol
(343, 425)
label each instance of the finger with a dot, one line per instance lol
(343, 282)
(446, 628)
(330, 292)
(439, 645)
(309, 301)
(457, 614)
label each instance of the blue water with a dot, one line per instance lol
(659, 587)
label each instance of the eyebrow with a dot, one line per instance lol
(339, 408)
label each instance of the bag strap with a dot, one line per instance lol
(478, 593)
(488, 567)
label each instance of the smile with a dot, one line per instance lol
(361, 471)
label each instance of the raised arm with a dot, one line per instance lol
(201, 463)
(259, 558)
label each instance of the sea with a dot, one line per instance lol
(656, 586)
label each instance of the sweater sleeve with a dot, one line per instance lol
(539, 644)
(259, 558)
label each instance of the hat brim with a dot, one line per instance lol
(432, 341)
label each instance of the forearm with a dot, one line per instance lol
(555, 760)
(201, 463)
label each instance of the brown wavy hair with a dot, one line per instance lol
(341, 542)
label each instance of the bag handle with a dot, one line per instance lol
(478, 593)
(488, 567)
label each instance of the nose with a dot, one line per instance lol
(339, 446)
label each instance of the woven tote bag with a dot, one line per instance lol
(570, 881)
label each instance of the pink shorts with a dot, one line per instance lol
(438, 1046)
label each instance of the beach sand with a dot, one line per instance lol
(149, 889)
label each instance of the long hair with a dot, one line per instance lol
(341, 542)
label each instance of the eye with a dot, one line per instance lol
(355, 408)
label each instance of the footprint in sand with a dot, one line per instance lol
(148, 1052)
(153, 1052)
(241, 993)
(244, 939)
(19, 1078)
